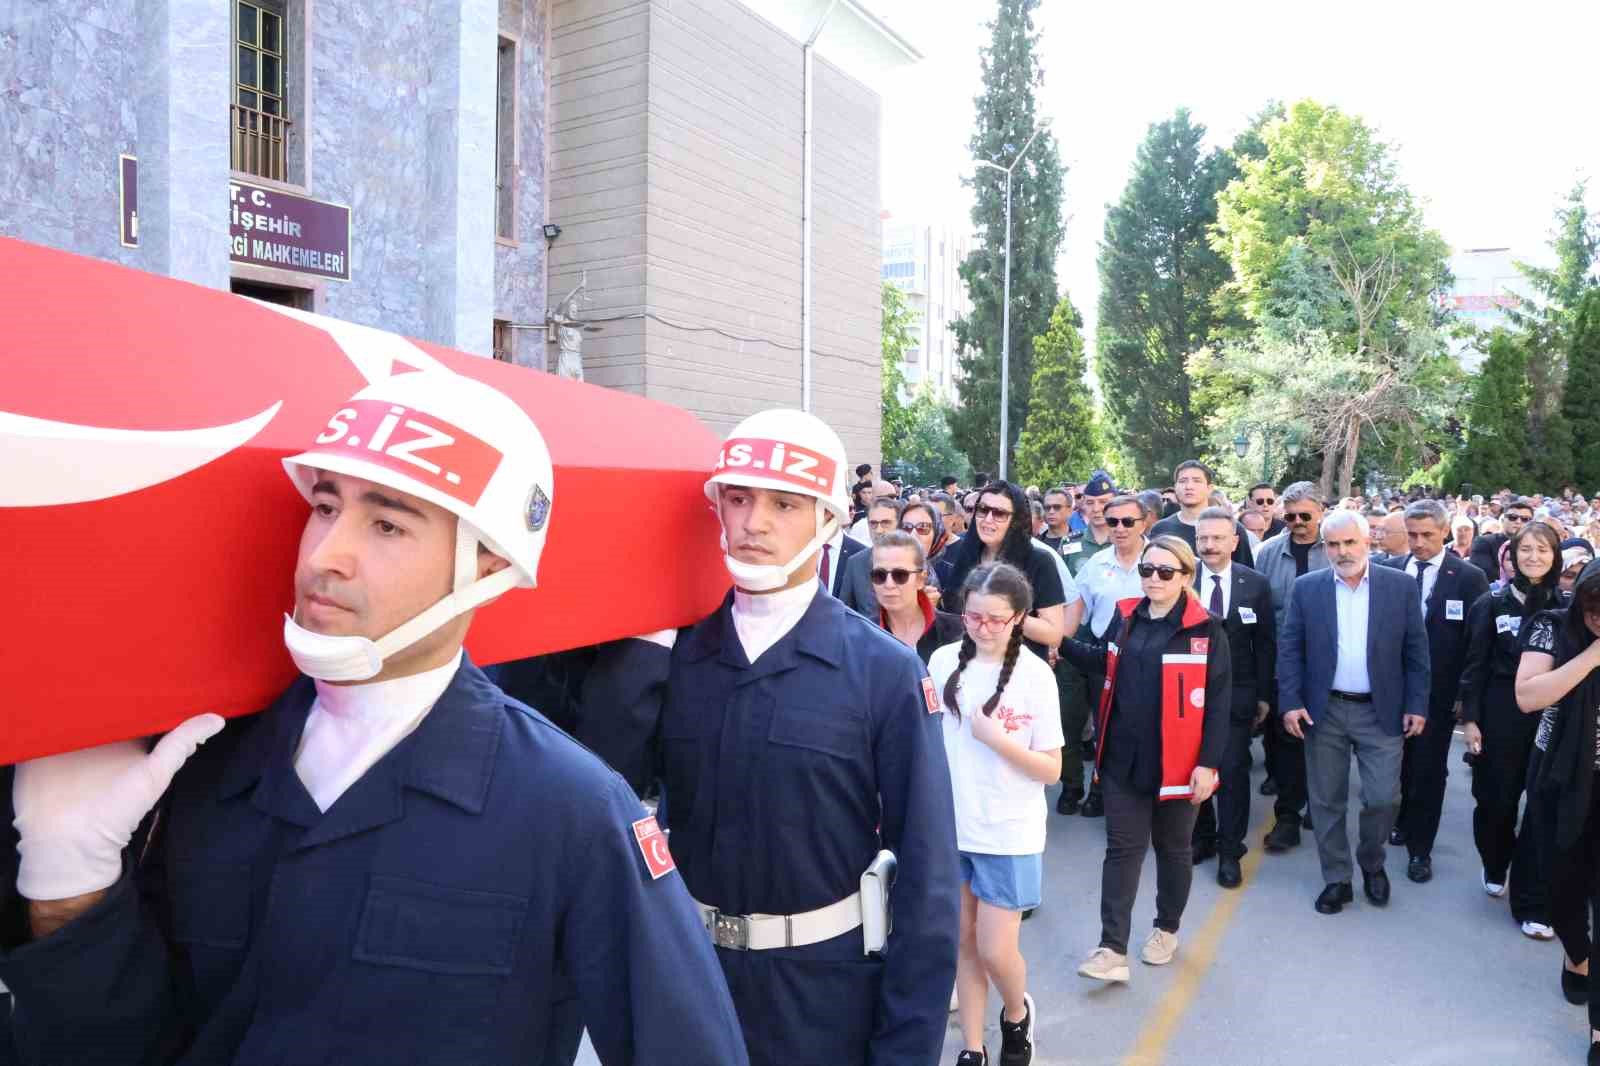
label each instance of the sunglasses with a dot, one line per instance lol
(918, 527)
(880, 576)
(1055, 507)
(1299, 516)
(983, 510)
(1264, 501)
(1166, 573)
(1513, 517)
(1125, 523)
(978, 620)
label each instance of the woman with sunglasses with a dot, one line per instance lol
(1162, 729)
(899, 580)
(1499, 733)
(1560, 667)
(1002, 531)
(926, 522)
(1003, 740)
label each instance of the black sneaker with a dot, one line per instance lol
(1016, 1038)
(973, 1058)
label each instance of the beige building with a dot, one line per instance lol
(677, 133)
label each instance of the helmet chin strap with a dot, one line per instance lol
(352, 658)
(751, 577)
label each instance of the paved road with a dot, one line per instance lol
(1441, 977)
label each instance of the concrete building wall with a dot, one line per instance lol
(393, 110)
(675, 173)
(519, 282)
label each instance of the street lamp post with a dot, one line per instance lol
(1005, 306)
(1291, 445)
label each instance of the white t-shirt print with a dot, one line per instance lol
(999, 809)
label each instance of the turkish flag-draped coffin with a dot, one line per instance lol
(148, 531)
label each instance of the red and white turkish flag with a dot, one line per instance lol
(148, 531)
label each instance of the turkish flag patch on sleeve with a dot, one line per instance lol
(930, 695)
(653, 846)
(1199, 645)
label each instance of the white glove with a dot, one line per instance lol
(76, 811)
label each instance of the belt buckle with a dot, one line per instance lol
(730, 931)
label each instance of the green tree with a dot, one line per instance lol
(897, 318)
(1546, 327)
(925, 451)
(1061, 443)
(1006, 119)
(1581, 399)
(1326, 193)
(1159, 276)
(1496, 450)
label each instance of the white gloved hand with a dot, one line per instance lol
(76, 811)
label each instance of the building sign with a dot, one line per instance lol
(1477, 303)
(128, 195)
(270, 228)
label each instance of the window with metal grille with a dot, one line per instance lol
(503, 342)
(258, 119)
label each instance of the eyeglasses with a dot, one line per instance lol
(880, 576)
(1299, 516)
(1125, 523)
(883, 525)
(1054, 506)
(918, 527)
(1166, 573)
(988, 623)
(984, 510)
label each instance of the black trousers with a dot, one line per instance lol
(1575, 895)
(1223, 821)
(1134, 822)
(1424, 769)
(1072, 690)
(1286, 762)
(1536, 845)
(1498, 778)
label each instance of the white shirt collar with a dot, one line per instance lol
(762, 620)
(1223, 573)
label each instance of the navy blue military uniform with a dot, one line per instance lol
(464, 902)
(781, 781)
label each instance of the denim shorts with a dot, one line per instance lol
(1010, 882)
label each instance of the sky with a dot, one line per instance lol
(1491, 108)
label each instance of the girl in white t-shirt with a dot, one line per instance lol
(1002, 737)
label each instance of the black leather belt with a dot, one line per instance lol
(1351, 697)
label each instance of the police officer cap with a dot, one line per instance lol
(1100, 484)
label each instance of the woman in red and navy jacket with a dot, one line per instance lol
(1163, 724)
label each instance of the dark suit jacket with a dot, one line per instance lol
(1253, 644)
(1459, 583)
(1397, 646)
(849, 548)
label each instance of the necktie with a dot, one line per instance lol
(823, 571)
(1422, 570)
(1216, 595)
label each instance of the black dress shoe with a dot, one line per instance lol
(1376, 886)
(1093, 807)
(1420, 869)
(1574, 986)
(1066, 803)
(1269, 787)
(1334, 897)
(1284, 835)
(1201, 852)
(1397, 838)
(1305, 821)
(1228, 873)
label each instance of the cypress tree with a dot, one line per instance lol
(1006, 119)
(1158, 276)
(1496, 451)
(1060, 443)
(1581, 401)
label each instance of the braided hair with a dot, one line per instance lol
(1011, 585)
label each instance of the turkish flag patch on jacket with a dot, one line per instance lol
(653, 846)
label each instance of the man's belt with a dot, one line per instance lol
(762, 932)
(1350, 697)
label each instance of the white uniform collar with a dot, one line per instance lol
(351, 727)
(763, 620)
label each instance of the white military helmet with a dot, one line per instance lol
(457, 443)
(786, 451)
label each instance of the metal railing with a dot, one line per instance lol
(258, 143)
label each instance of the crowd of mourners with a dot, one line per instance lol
(1180, 624)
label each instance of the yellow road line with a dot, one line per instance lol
(1193, 961)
